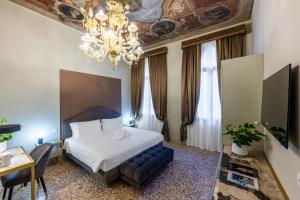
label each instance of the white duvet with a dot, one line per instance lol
(101, 151)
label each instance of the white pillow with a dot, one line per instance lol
(81, 129)
(111, 124)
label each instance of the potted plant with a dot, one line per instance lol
(4, 137)
(242, 136)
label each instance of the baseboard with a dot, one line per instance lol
(277, 179)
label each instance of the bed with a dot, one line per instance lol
(99, 154)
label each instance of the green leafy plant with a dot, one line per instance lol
(6, 136)
(243, 134)
(279, 133)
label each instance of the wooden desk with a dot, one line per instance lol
(20, 160)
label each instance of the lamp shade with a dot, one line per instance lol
(10, 128)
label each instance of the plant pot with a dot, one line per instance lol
(241, 151)
(3, 146)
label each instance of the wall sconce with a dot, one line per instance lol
(40, 136)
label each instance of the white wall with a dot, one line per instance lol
(241, 91)
(32, 50)
(174, 85)
(276, 28)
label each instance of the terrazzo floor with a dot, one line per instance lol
(191, 176)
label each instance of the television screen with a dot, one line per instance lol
(276, 104)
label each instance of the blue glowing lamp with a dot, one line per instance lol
(40, 136)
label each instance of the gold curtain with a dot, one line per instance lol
(190, 87)
(158, 83)
(137, 87)
(228, 48)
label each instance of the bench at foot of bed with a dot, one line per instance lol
(142, 168)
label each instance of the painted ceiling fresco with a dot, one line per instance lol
(157, 20)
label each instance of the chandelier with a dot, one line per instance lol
(110, 34)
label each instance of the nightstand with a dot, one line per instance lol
(57, 150)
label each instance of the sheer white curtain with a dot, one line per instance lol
(205, 132)
(148, 119)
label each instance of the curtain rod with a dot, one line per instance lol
(215, 35)
(155, 52)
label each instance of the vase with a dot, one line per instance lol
(3, 146)
(241, 151)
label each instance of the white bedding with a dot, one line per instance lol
(100, 151)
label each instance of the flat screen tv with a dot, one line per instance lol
(276, 104)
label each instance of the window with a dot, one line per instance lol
(148, 119)
(209, 106)
(205, 132)
(147, 108)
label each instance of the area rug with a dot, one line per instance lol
(191, 175)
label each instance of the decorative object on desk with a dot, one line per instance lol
(5, 158)
(243, 180)
(242, 136)
(3, 145)
(6, 133)
(40, 136)
(249, 171)
(239, 161)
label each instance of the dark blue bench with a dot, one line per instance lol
(142, 168)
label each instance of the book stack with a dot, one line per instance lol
(241, 173)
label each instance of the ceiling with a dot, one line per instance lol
(159, 21)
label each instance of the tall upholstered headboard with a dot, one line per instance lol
(84, 97)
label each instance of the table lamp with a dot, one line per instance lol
(131, 120)
(10, 128)
(40, 136)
